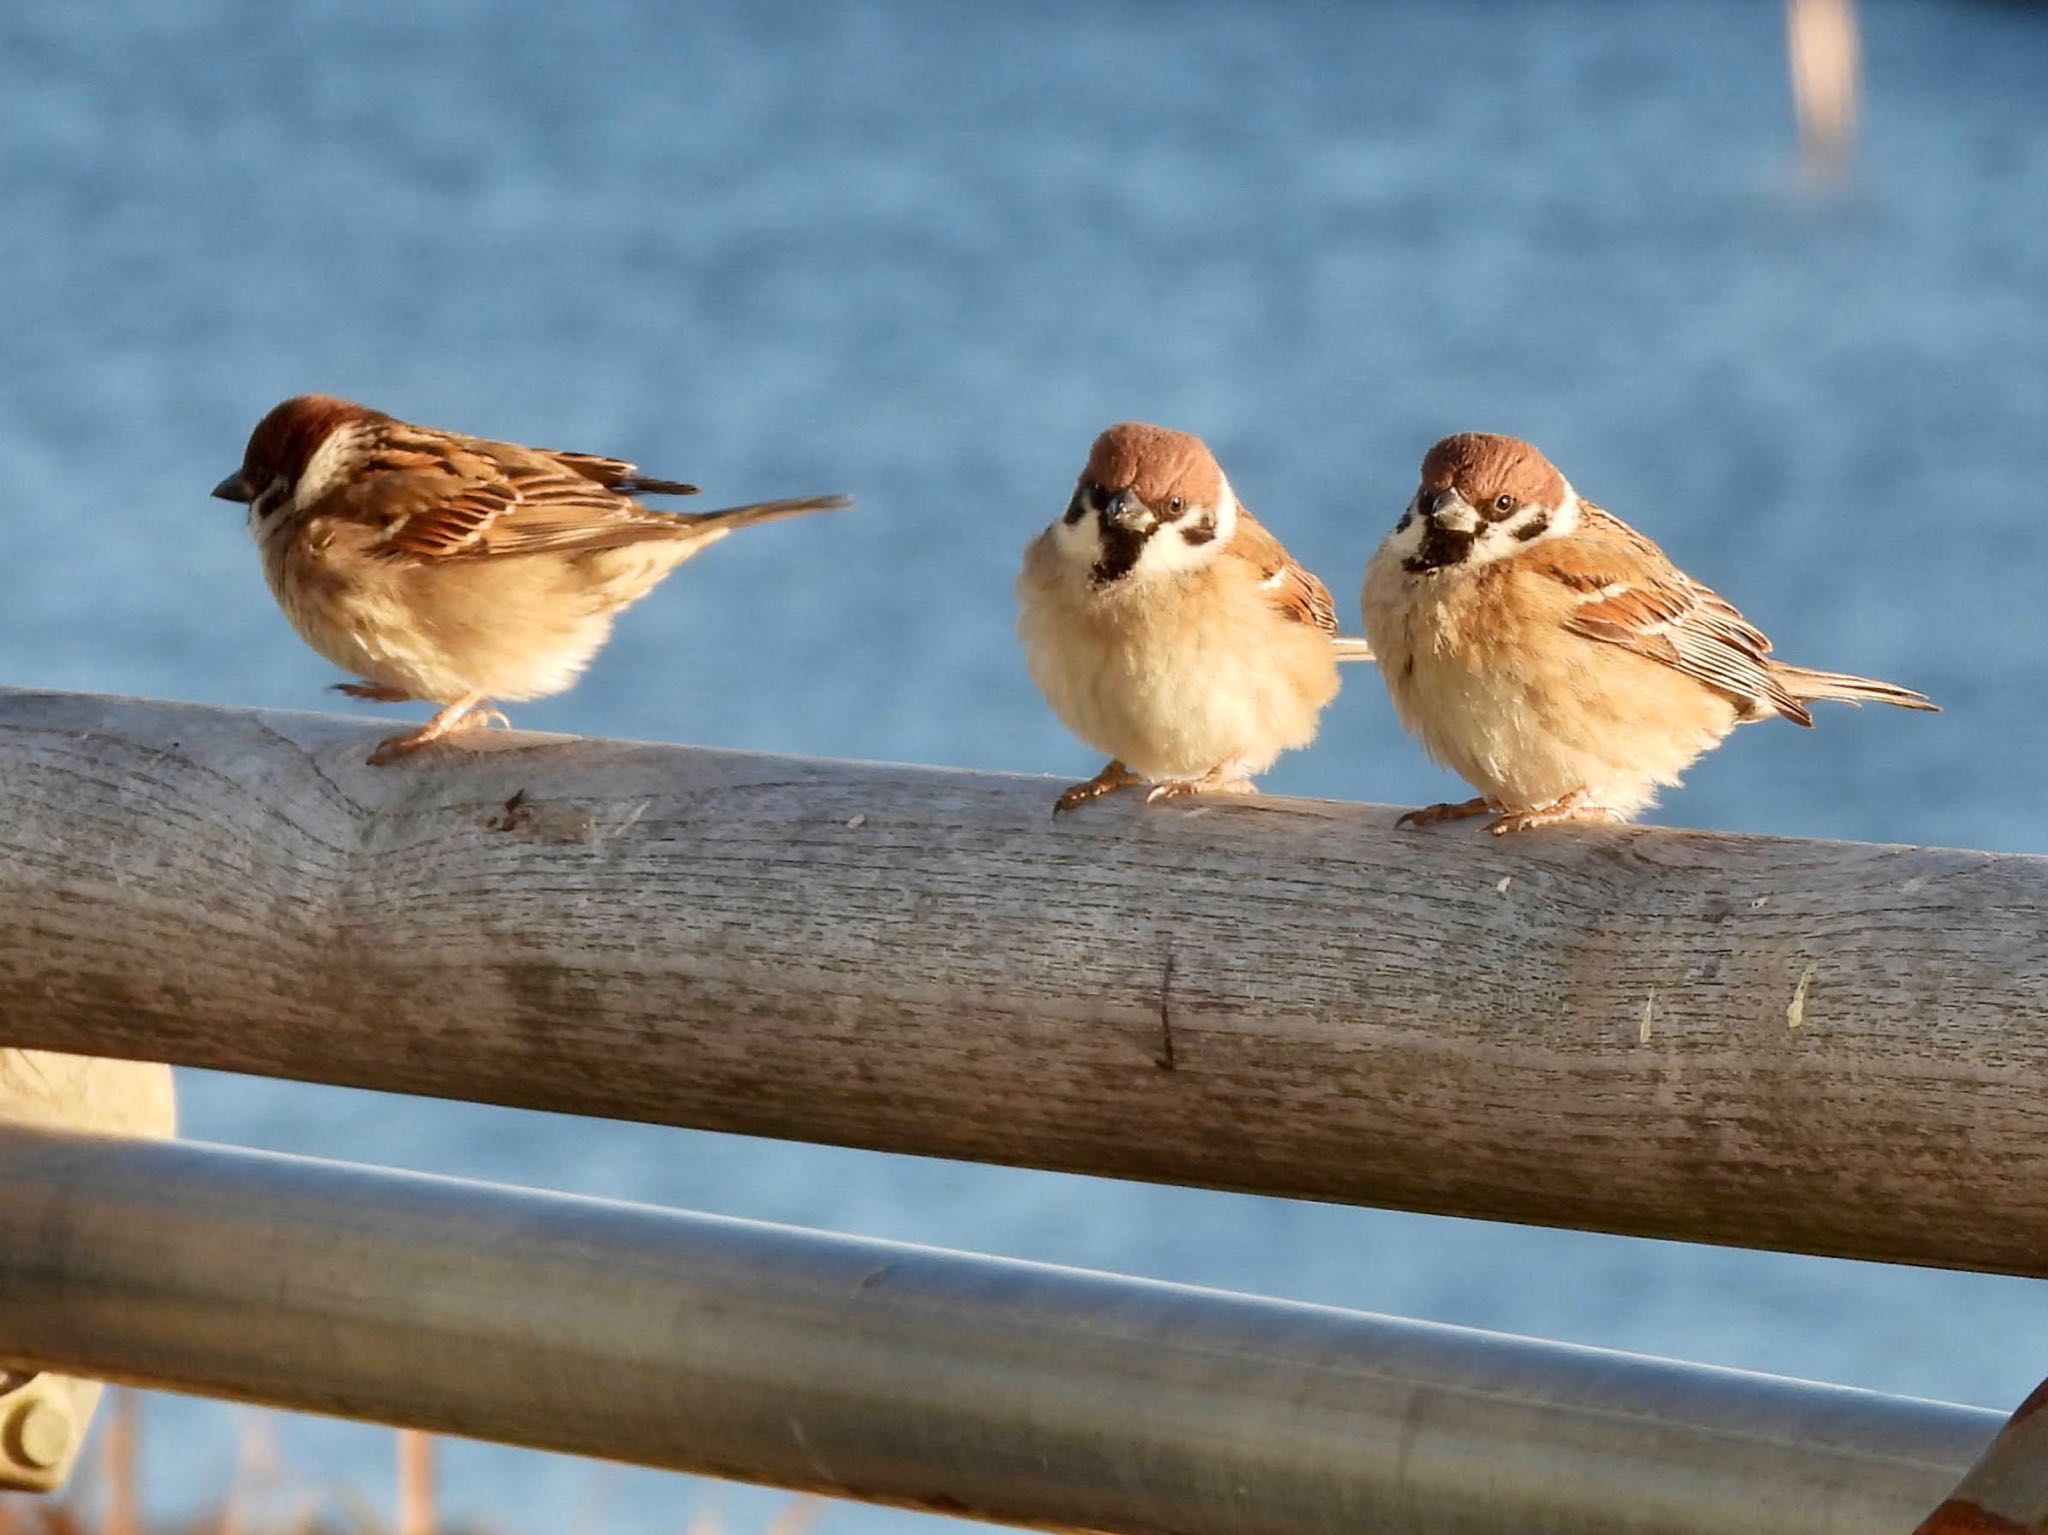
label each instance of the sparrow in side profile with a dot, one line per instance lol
(1551, 655)
(456, 569)
(1168, 629)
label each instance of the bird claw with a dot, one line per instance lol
(1189, 788)
(391, 748)
(450, 721)
(1565, 810)
(1429, 815)
(1112, 778)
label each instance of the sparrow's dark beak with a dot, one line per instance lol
(1448, 510)
(235, 488)
(1127, 511)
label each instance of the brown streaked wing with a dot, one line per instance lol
(616, 474)
(1631, 595)
(450, 498)
(1293, 589)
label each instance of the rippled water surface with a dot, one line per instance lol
(922, 252)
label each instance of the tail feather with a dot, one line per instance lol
(1805, 684)
(1349, 649)
(761, 511)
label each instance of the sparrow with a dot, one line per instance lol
(1552, 656)
(1168, 628)
(456, 569)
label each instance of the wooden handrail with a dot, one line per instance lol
(1825, 1047)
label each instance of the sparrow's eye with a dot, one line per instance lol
(1176, 506)
(1503, 503)
(1096, 493)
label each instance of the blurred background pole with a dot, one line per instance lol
(1825, 59)
(415, 1482)
(120, 1460)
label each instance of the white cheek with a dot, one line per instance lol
(1167, 553)
(1078, 542)
(1405, 541)
(1497, 541)
(1226, 515)
(261, 508)
(330, 462)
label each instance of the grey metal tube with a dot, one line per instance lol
(1005, 1390)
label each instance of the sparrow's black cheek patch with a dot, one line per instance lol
(1402, 525)
(1536, 527)
(1120, 550)
(1200, 532)
(1076, 509)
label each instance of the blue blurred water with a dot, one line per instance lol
(923, 252)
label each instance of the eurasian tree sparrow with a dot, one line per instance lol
(1551, 655)
(456, 569)
(1168, 629)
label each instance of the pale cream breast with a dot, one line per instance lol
(511, 628)
(1176, 676)
(1482, 671)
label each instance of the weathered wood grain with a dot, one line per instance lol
(1828, 1047)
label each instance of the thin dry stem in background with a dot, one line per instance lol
(1825, 59)
(264, 1498)
(798, 1517)
(415, 1482)
(261, 1478)
(118, 1458)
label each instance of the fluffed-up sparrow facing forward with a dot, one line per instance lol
(1168, 629)
(456, 569)
(1551, 655)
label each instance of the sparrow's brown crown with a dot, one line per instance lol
(1155, 463)
(1483, 467)
(285, 441)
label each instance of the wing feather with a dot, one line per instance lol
(616, 474)
(437, 496)
(1290, 587)
(1630, 595)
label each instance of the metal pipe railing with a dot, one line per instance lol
(1006, 1390)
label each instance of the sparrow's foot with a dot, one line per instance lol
(1112, 778)
(468, 713)
(391, 748)
(1223, 780)
(1572, 807)
(375, 692)
(1431, 814)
